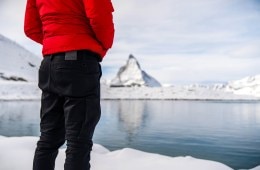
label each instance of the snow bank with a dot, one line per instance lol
(10, 90)
(256, 168)
(172, 93)
(248, 86)
(17, 154)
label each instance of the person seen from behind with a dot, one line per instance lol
(75, 36)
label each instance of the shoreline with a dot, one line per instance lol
(20, 91)
(143, 99)
(102, 157)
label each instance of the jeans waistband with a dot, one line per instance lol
(81, 55)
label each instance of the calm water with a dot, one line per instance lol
(228, 132)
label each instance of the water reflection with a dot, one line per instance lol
(19, 118)
(131, 116)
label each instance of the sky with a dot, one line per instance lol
(175, 41)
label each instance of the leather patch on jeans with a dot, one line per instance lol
(71, 55)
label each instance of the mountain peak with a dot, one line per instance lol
(132, 62)
(131, 74)
(131, 56)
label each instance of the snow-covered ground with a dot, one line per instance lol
(10, 90)
(18, 72)
(248, 85)
(172, 93)
(19, 91)
(17, 154)
(29, 91)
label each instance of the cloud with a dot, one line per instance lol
(182, 23)
(12, 13)
(11, 19)
(216, 40)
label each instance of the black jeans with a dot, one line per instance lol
(70, 109)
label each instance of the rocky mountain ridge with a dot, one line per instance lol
(131, 75)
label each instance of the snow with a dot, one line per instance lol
(191, 92)
(132, 75)
(29, 91)
(19, 91)
(17, 154)
(256, 168)
(18, 72)
(17, 61)
(249, 86)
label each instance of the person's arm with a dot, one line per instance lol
(100, 15)
(32, 22)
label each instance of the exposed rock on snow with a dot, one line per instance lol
(17, 64)
(13, 78)
(132, 75)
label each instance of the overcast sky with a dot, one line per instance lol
(175, 41)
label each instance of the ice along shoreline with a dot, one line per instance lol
(22, 148)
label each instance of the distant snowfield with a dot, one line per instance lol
(248, 85)
(10, 90)
(17, 154)
(172, 93)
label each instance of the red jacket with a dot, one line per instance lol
(66, 25)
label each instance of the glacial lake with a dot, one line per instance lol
(223, 131)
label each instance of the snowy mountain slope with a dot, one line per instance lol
(132, 75)
(17, 64)
(245, 86)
